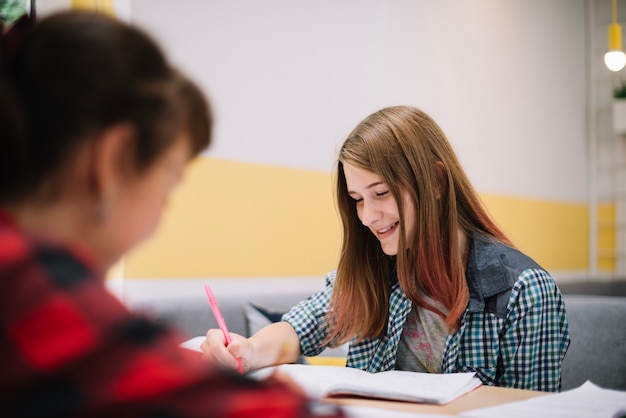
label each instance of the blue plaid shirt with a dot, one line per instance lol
(514, 331)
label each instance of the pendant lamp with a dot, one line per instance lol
(615, 59)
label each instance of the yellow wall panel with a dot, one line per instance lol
(233, 219)
(555, 234)
(104, 6)
(607, 238)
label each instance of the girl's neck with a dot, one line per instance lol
(61, 221)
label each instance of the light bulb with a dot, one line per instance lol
(615, 60)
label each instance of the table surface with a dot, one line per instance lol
(481, 397)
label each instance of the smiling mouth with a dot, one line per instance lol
(382, 232)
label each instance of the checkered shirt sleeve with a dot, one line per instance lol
(373, 355)
(523, 350)
(307, 318)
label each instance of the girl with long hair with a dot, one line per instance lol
(426, 280)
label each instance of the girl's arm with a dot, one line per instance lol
(274, 344)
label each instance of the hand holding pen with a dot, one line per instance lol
(220, 320)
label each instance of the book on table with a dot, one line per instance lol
(323, 381)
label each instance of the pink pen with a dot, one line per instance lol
(220, 320)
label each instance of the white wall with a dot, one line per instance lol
(46, 7)
(506, 79)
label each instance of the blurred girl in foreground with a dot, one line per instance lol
(96, 128)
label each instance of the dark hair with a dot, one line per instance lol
(73, 75)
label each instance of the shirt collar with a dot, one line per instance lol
(485, 272)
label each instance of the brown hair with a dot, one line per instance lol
(74, 74)
(404, 146)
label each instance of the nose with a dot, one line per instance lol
(369, 213)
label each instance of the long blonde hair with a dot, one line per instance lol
(410, 153)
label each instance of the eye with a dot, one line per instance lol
(355, 197)
(382, 194)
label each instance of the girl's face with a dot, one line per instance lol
(140, 201)
(376, 207)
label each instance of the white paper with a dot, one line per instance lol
(587, 401)
(193, 343)
(321, 381)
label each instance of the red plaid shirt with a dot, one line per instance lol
(70, 349)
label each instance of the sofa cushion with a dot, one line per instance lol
(258, 317)
(597, 352)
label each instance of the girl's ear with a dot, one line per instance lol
(442, 178)
(111, 155)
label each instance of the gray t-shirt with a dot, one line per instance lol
(423, 340)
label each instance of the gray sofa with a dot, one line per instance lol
(597, 327)
(598, 341)
(193, 315)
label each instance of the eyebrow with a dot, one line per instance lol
(368, 187)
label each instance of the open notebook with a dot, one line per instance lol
(322, 381)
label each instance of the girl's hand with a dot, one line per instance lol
(214, 349)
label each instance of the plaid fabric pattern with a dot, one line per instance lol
(523, 350)
(522, 347)
(70, 349)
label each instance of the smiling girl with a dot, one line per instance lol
(426, 280)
